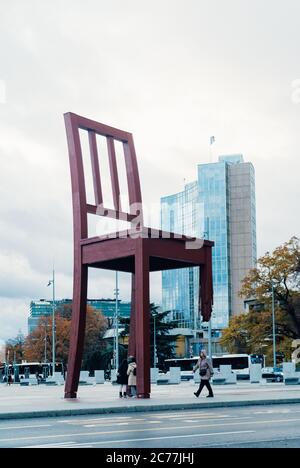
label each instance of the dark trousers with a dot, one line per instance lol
(204, 383)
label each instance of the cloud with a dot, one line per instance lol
(173, 76)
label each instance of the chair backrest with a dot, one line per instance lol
(74, 123)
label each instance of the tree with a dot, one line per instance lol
(14, 349)
(281, 268)
(38, 345)
(164, 341)
(252, 332)
(96, 325)
(2, 354)
(94, 347)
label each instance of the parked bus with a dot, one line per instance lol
(240, 364)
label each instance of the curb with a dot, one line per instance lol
(144, 409)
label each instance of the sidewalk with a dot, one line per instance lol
(33, 402)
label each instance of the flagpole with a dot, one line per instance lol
(212, 141)
(53, 325)
(52, 282)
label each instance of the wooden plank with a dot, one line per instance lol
(95, 168)
(114, 173)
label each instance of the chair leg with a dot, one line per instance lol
(77, 330)
(142, 320)
(132, 334)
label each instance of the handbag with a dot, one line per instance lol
(203, 372)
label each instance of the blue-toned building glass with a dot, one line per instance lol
(220, 206)
(180, 213)
(213, 192)
(107, 307)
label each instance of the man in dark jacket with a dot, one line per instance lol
(122, 378)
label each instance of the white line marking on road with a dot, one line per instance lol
(183, 414)
(25, 427)
(58, 444)
(193, 420)
(108, 425)
(259, 441)
(65, 445)
(86, 421)
(186, 436)
(88, 434)
(279, 411)
(144, 439)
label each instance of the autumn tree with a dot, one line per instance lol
(38, 345)
(252, 332)
(14, 349)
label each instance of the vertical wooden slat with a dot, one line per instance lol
(114, 173)
(95, 168)
(77, 178)
(133, 180)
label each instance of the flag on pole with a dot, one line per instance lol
(212, 140)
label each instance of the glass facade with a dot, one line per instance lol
(203, 210)
(213, 192)
(107, 307)
(180, 213)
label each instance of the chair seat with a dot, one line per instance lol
(166, 250)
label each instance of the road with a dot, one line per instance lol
(270, 426)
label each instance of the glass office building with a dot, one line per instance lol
(219, 206)
(107, 307)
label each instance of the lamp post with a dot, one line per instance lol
(209, 331)
(45, 339)
(154, 340)
(52, 282)
(117, 323)
(274, 327)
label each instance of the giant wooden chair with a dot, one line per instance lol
(138, 250)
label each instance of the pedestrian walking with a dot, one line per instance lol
(9, 380)
(122, 378)
(206, 372)
(131, 372)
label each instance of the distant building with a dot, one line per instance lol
(219, 206)
(43, 308)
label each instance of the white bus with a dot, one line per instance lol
(240, 364)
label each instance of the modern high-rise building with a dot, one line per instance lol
(219, 206)
(107, 307)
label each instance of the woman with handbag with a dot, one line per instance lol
(131, 372)
(206, 372)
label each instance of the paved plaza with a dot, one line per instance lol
(42, 401)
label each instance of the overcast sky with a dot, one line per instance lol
(172, 72)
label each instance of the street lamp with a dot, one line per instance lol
(274, 327)
(117, 323)
(154, 315)
(52, 282)
(209, 331)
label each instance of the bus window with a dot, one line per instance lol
(236, 363)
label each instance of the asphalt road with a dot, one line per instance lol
(270, 426)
